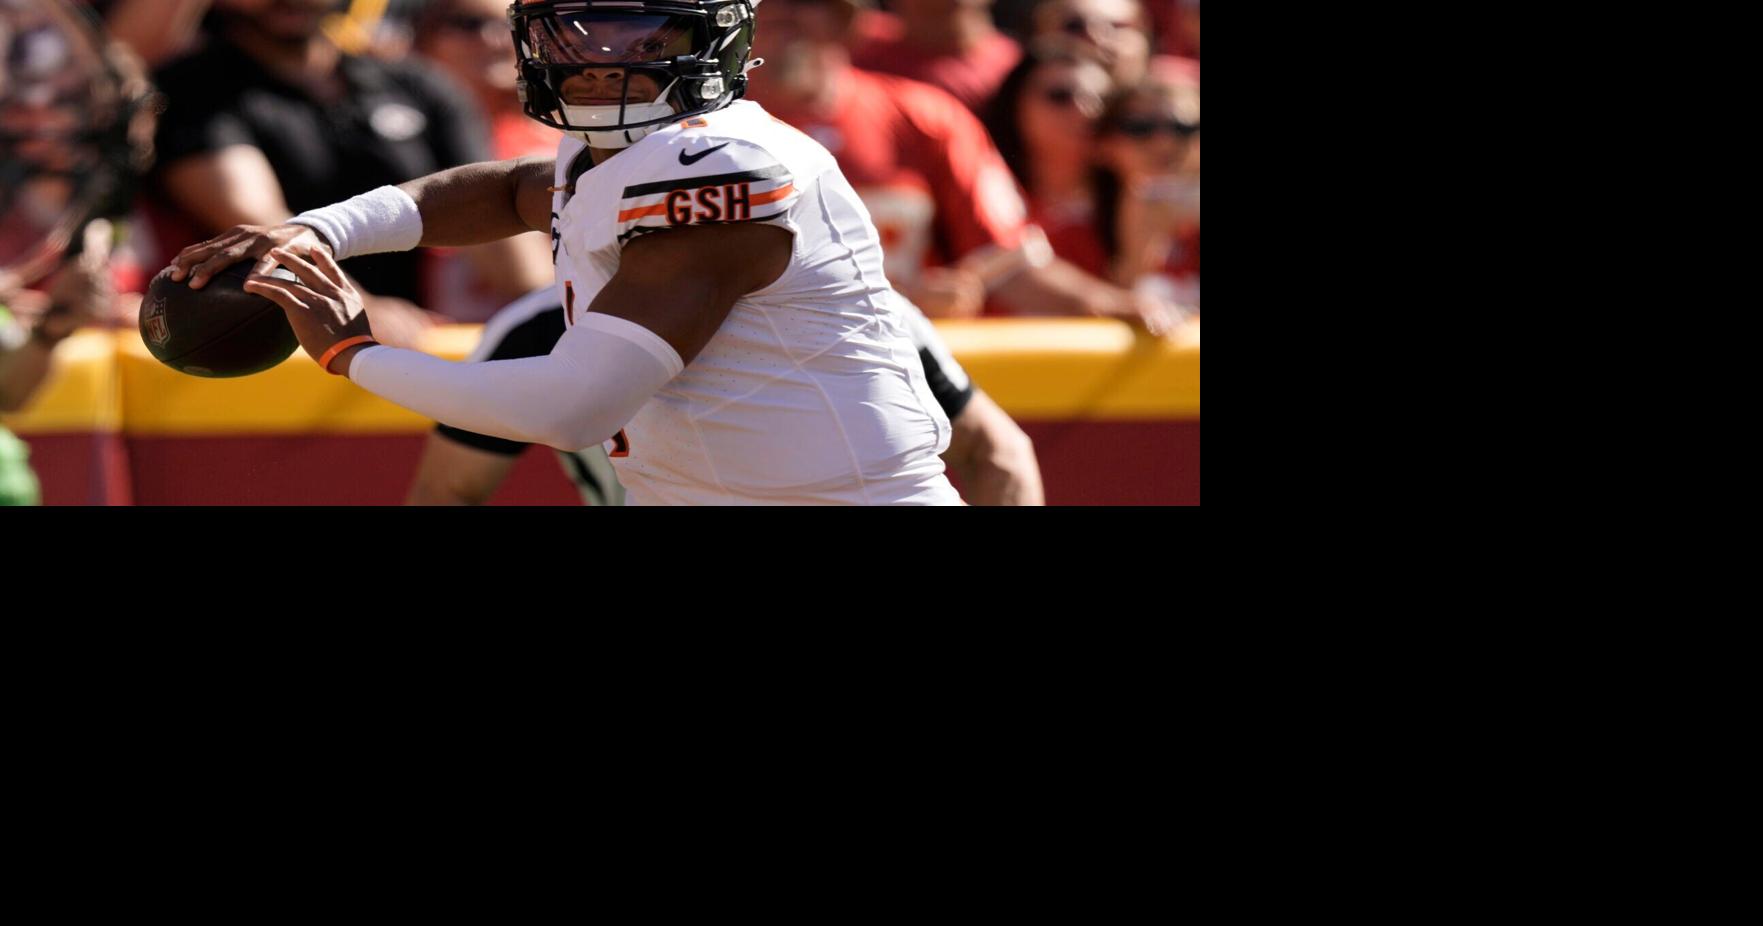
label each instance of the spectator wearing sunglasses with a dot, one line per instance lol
(469, 41)
(1043, 121)
(949, 44)
(1148, 186)
(1083, 167)
(955, 232)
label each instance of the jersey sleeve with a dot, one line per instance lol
(708, 181)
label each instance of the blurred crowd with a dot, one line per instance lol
(1019, 157)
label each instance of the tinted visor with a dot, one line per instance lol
(602, 38)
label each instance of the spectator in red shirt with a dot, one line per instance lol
(1112, 186)
(949, 44)
(1178, 30)
(1149, 152)
(954, 227)
(1043, 122)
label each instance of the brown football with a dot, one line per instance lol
(218, 330)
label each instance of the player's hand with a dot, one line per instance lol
(323, 307)
(200, 262)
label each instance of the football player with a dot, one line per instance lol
(731, 337)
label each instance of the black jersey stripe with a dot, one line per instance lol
(692, 183)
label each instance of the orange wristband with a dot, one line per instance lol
(339, 347)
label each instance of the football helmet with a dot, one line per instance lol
(695, 53)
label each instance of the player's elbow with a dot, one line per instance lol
(599, 376)
(579, 428)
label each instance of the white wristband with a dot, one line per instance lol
(372, 223)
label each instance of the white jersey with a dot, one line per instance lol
(811, 392)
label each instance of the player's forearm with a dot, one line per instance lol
(524, 400)
(477, 203)
(579, 395)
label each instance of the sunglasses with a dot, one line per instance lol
(1080, 27)
(1068, 97)
(1145, 128)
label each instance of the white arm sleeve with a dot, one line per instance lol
(589, 386)
(383, 220)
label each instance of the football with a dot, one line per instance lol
(216, 331)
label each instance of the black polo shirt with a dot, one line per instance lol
(398, 121)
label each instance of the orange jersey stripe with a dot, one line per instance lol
(642, 212)
(774, 195)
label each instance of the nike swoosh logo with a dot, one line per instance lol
(690, 159)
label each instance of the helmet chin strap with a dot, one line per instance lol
(609, 115)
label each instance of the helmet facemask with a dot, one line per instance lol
(689, 55)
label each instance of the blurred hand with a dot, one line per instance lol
(1157, 315)
(947, 292)
(81, 292)
(200, 262)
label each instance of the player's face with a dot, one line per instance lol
(599, 42)
(608, 86)
(600, 39)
